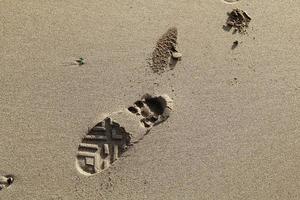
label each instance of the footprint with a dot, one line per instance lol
(107, 140)
(6, 181)
(165, 53)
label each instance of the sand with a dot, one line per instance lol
(234, 131)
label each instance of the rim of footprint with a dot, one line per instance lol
(103, 144)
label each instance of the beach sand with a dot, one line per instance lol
(234, 131)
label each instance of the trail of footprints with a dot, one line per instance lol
(107, 140)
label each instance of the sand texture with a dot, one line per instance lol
(234, 128)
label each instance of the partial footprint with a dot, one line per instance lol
(107, 140)
(6, 181)
(153, 110)
(101, 146)
(165, 53)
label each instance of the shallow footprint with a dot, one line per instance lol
(107, 140)
(165, 53)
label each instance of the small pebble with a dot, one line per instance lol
(176, 55)
(5, 181)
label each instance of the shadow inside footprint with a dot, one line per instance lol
(152, 109)
(156, 104)
(173, 63)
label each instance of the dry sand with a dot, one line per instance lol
(234, 132)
